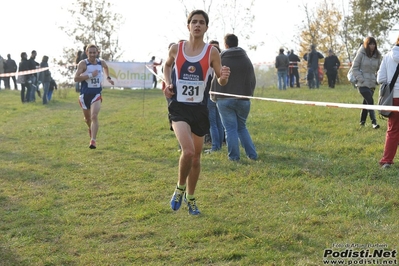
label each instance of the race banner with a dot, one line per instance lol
(129, 75)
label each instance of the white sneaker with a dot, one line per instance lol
(208, 151)
(386, 165)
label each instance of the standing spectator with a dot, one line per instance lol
(313, 66)
(83, 54)
(234, 111)
(45, 78)
(10, 67)
(288, 69)
(282, 64)
(293, 69)
(154, 68)
(331, 66)
(385, 74)
(23, 66)
(188, 111)
(53, 86)
(216, 127)
(2, 64)
(31, 79)
(90, 73)
(365, 66)
(77, 60)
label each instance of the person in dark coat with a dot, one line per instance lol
(331, 66)
(53, 86)
(293, 69)
(23, 66)
(10, 67)
(313, 66)
(45, 78)
(282, 64)
(31, 80)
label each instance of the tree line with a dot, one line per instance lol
(328, 26)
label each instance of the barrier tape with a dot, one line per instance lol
(152, 71)
(301, 63)
(21, 73)
(325, 104)
(311, 103)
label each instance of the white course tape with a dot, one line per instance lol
(21, 73)
(326, 104)
(152, 71)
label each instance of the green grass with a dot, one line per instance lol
(317, 183)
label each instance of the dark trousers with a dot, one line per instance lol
(332, 77)
(294, 76)
(23, 94)
(367, 94)
(154, 81)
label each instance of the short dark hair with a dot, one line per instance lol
(231, 40)
(91, 46)
(198, 12)
(214, 42)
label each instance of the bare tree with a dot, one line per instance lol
(226, 17)
(93, 22)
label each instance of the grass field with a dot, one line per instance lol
(317, 185)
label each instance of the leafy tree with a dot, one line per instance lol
(328, 28)
(370, 18)
(93, 22)
(321, 27)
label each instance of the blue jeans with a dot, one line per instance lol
(49, 95)
(216, 128)
(315, 81)
(46, 86)
(234, 114)
(282, 76)
(32, 88)
(29, 89)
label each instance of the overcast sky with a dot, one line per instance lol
(148, 29)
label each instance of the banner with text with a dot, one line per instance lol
(129, 75)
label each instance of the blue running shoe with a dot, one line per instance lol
(176, 200)
(192, 206)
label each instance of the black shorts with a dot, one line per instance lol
(196, 116)
(85, 100)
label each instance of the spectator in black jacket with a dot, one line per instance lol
(293, 69)
(313, 66)
(53, 86)
(331, 65)
(45, 78)
(23, 66)
(10, 67)
(31, 79)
